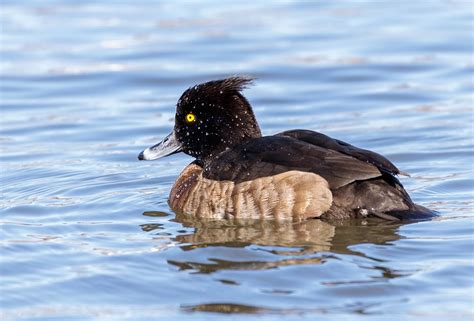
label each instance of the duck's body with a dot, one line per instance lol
(296, 174)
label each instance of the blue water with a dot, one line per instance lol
(86, 232)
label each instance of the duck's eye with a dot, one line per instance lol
(190, 118)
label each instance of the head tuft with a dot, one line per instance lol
(215, 88)
(235, 83)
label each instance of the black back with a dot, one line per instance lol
(339, 163)
(318, 139)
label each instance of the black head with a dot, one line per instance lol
(213, 116)
(210, 117)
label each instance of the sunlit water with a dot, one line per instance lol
(86, 231)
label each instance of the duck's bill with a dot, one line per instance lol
(169, 145)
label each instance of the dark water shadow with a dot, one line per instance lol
(293, 243)
(311, 242)
(312, 235)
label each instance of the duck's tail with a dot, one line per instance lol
(416, 212)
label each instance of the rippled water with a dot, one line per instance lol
(86, 230)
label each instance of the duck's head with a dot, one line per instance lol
(210, 117)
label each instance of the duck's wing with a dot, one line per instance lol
(321, 140)
(271, 155)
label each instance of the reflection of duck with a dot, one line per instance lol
(303, 240)
(311, 236)
(296, 174)
(316, 234)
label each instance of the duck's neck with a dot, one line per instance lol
(236, 137)
(240, 127)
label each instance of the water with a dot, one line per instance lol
(86, 230)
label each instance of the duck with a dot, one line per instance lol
(298, 174)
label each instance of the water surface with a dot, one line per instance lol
(86, 231)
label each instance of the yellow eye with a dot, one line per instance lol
(190, 118)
